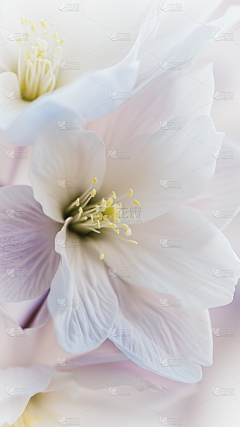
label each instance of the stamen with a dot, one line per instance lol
(87, 217)
(130, 192)
(136, 202)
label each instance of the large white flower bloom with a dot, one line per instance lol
(30, 68)
(62, 235)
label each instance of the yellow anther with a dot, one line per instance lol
(26, 34)
(55, 35)
(26, 20)
(136, 202)
(95, 180)
(93, 192)
(124, 225)
(80, 210)
(98, 224)
(43, 24)
(62, 41)
(60, 50)
(133, 241)
(130, 192)
(128, 232)
(109, 202)
(77, 202)
(54, 23)
(134, 217)
(113, 195)
(22, 21)
(32, 27)
(101, 256)
(116, 230)
(120, 204)
(111, 225)
(31, 22)
(19, 40)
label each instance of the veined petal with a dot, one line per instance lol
(28, 261)
(63, 166)
(81, 301)
(181, 254)
(166, 168)
(166, 339)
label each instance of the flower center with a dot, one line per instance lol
(38, 60)
(87, 217)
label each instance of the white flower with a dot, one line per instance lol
(91, 95)
(92, 296)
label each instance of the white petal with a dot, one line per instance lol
(166, 168)
(81, 301)
(179, 253)
(166, 339)
(220, 201)
(63, 166)
(18, 385)
(181, 92)
(28, 261)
